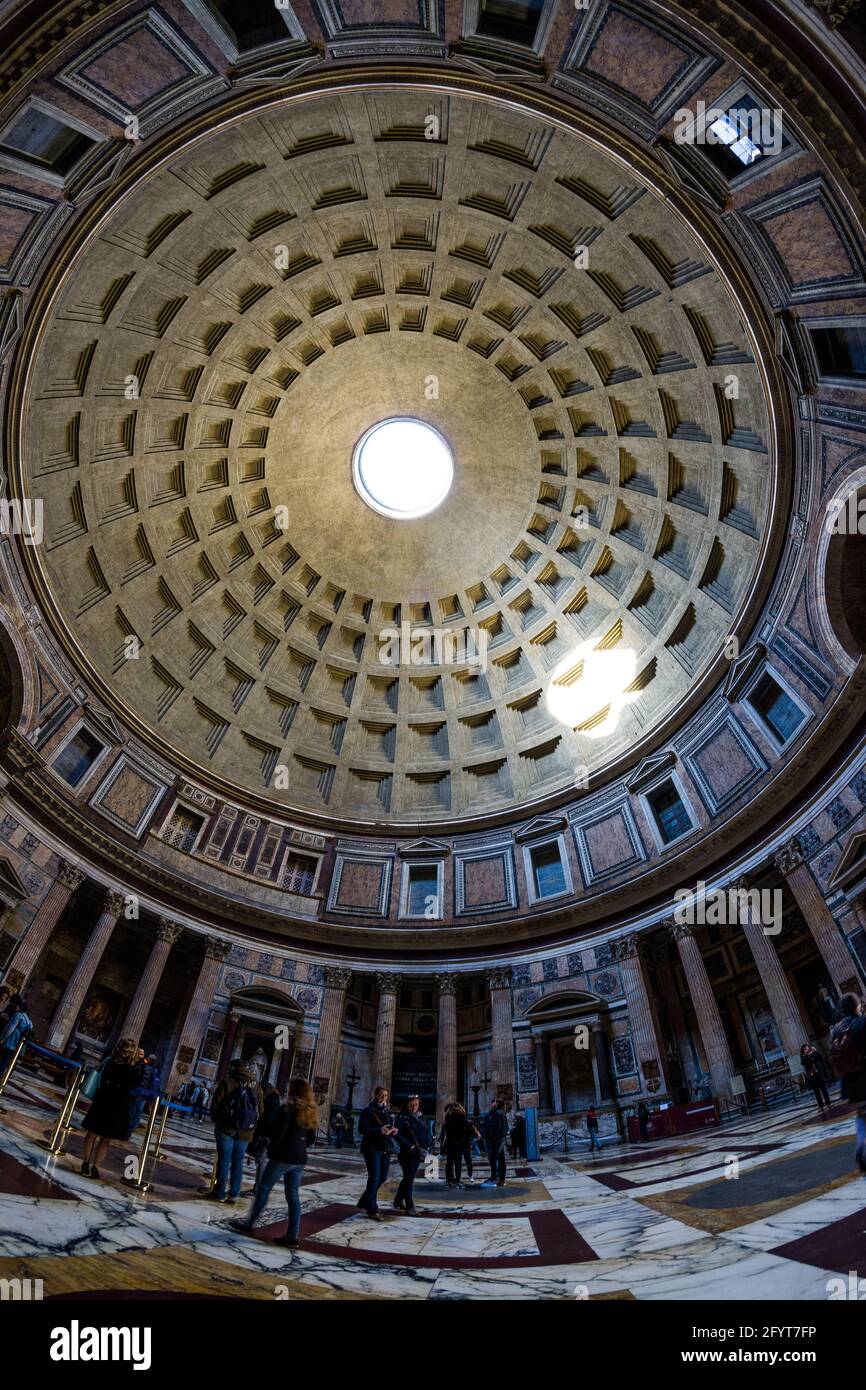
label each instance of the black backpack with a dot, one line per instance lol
(242, 1108)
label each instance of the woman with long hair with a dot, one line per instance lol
(111, 1111)
(458, 1138)
(287, 1153)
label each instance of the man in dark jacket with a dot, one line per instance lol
(235, 1109)
(377, 1130)
(495, 1134)
(147, 1088)
(852, 1028)
(413, 1138)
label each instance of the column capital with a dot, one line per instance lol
(70, 875)
(627, 947)
(114, 902)
(680, 930)
(215, 949)
(499, 978)
(388, 982)
(168, 931)
(337, 976)
(789, 857)
(447, 984)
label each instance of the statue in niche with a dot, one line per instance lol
(259, 1063)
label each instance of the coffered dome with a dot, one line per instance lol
(266, 295)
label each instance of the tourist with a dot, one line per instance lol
(266, 1128)
(495, 1133)
(377, 1130)
(472, 1137)
(294, 1130)
(148, 1088)
(198, 1100)
(235, 1109)
(815, 1073)
(456, 1139)
(518, 1137)
(338, 1125)
(643, 1119)
(849, 1060)
(826, 1006)
(413, 1137)
(592, 1129)
(18, 1025)
(109, 1115)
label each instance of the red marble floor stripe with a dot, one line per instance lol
(18, 1180)
(840, 1246)
(557, 1240)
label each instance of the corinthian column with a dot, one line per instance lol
(167, 934)
(195, 1023)
(446, 1052)
(499, 984)
(69, 1007)
(783, 1005)
(645, 1032)
(326, 1063)
(818, 917)
(386, 1022)
(41, 929)
(713, 1035)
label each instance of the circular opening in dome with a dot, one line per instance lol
(402, 468)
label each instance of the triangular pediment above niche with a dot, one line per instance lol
(11, 888)
(48, 687)
(105, 723)
(542, 825)
(649, 769)
(743, 668)
(422, 848)
(853, 862)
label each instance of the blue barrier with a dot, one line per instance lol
(55, 1056)
(532, 1150)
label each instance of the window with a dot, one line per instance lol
(840, 351)
(421, 891)
(44, 142)
(77, 757)
(740, 134)
(671, 813)
(299, 873)
(775, 707)
(183, 828)
(514, 20)
(548, 874)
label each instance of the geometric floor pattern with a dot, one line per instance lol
(769, 1208)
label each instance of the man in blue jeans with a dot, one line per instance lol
(377, 1129)
(235, 1109)
(495, 1134)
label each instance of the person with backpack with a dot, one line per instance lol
(18, 1025)
(413, 1138)
(235, 1109)
(294, 1129)
(147, 1089)
(495, 1134)
(848, 1055)
(815, 1074)
(377, 1130)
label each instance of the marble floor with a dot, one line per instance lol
(768, 1208)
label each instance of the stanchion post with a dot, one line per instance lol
(9, 1070)
(148, 1134)
(67, 1110)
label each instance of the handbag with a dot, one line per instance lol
(91, 1083)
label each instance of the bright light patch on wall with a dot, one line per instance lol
(402, 468)
(728, 133)
(589, 688)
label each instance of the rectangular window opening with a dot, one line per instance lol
(75, 760)
(670, 811)
(548, 873)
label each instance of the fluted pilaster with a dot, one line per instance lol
(386, 1023)
(195, 1023)
(68, 1009)
(818, 917)
(167, 933)
(446, 1052)
(709, 1019)
(326, 1063)
(499, 984)
(41, 929)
